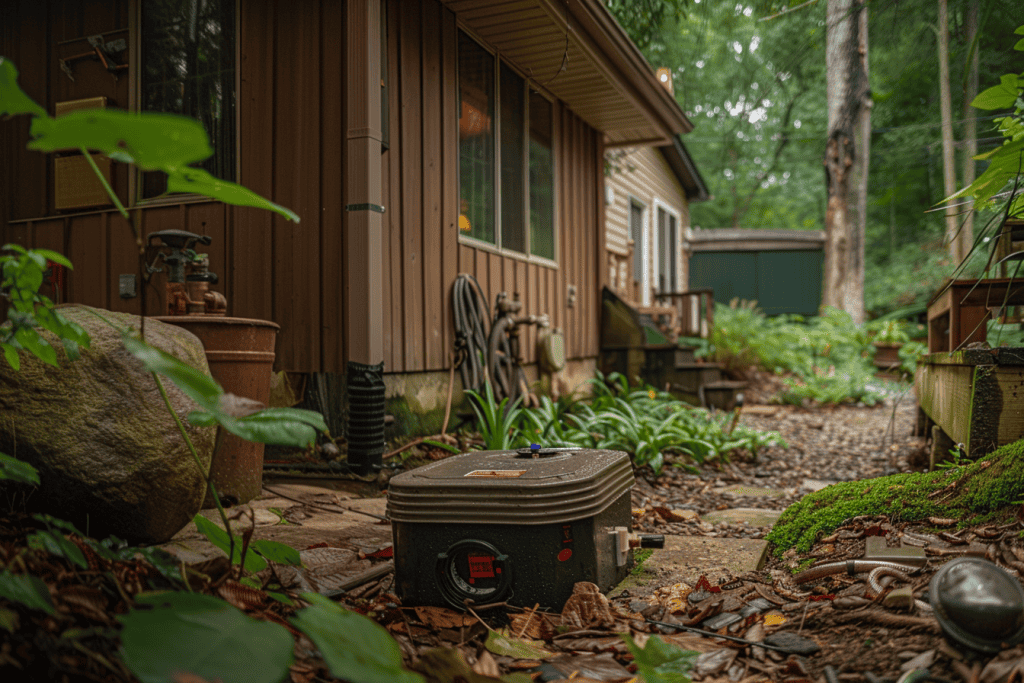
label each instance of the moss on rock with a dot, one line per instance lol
(969, 493)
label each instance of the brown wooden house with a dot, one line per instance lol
(415, 139)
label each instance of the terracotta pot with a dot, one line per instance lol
(240, 352)
(887, 356)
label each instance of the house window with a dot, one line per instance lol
(636, 233)
(506, 159)
(668, 251)
(187, 67)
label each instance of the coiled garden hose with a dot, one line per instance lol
(471, 316)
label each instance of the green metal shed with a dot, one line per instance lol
(780, 269)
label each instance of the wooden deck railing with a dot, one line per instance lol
(694, 311)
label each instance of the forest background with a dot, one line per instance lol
(752, 79)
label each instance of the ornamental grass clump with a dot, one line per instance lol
(653, 427)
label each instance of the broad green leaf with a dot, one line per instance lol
(190, 633)
(36, 345)
(450, 448)
(355, 648)
(282, 553)
(218, 537)
(1019, 46)
(198, 181)
(506, 646)
(25, 589)
(201, 388)
(151, 141)
(57, 258)
(281, 597)
(279, 431)
(12, 469)
(54, 543)
(660, 662)
(12, 99)
(1000, 96)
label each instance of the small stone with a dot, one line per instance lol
(754, 606)
(792, 643)
(922, 661)
(899, 598)
(686, 515)
(720, 621)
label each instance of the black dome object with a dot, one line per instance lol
(978, 604)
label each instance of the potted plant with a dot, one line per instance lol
(891, 336)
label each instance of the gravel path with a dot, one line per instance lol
(825, 445)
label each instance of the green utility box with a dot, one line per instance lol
(780, 269)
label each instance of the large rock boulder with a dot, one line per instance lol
(109, 454)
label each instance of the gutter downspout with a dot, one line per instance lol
(363, 258)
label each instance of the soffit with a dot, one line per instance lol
(592, 66)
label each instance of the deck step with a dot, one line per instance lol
(722, 394)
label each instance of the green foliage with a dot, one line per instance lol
(645, 423)
(26, 590)
(889, 332)
(828, 356)
(640, 556)
(496, 421)
(204, 636)
(661, 662)
(220, 538)
(278, 426)
(1004, 162)
(151, 141)
(354, 647)
(22, 272)
(12, 469)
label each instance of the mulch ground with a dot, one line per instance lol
(838, 627)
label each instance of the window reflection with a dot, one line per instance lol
(188, 68)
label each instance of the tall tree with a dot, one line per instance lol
(953, 237)
(846, 154)
(970, 82)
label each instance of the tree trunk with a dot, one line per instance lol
(846, 155)
(970, 148)
(953, 237)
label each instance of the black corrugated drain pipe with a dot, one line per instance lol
(365, 428)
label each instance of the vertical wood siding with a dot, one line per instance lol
(292, 142)
(650, 178)
(290, 126)
(423, 254)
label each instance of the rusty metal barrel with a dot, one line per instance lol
(240, 352)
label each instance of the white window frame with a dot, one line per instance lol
(656, 205)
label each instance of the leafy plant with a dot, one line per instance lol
(354, 647)
(661, 662)
(496, 421)
(889, 332)
(190, 633)
(1004, 162)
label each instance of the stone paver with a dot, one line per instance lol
(347, 529)
(751, 491)
(685, 558)
(752, 516)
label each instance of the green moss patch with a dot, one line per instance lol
(971, 494)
